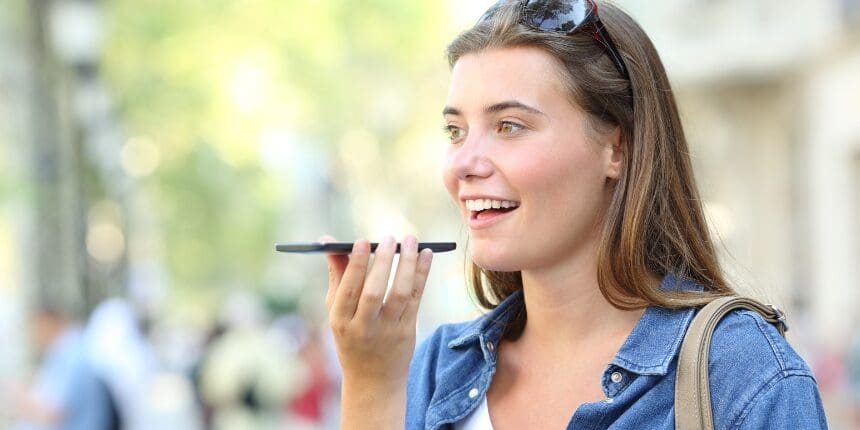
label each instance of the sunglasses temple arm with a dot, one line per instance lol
(612, 50)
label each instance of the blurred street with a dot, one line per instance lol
(153, 151)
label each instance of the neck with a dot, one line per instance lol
(566, 309)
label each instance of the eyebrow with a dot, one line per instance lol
(495, 108)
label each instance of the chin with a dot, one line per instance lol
(494, 260)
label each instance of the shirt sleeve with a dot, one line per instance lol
(792, 402)
(89, 404)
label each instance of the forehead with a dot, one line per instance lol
(528, 75)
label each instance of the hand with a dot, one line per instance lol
(375, 334)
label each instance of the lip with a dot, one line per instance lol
(478, 224)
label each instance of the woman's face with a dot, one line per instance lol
(516, 139)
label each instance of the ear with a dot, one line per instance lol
(614, 154)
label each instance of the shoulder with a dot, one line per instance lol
(744, 336)
(749, 362)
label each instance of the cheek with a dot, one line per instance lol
(562, 178)
(542, 176)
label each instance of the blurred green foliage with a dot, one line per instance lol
(204, 79)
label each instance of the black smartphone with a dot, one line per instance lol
(346, 247)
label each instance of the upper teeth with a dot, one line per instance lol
(482, 204)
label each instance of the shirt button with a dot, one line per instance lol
(473, 393)
(616, 377)
(490, 346)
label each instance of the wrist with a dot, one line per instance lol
(370, 384)
(373, 403)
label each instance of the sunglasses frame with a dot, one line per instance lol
(590, 24)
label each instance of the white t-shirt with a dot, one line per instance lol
(479, 419)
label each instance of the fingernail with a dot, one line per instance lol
(411, 242)
(388, 241)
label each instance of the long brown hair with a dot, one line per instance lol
(654, 224)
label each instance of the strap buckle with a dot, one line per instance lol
(779, 315)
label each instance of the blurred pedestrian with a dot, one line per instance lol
(122, 357)
(310, 407)
(852, 364)
(248, 374)
(67, 393)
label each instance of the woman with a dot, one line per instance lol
(588, 243)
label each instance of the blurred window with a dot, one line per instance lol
(851, 12)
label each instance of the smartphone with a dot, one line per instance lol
(346, 247)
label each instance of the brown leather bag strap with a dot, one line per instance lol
(692, 392)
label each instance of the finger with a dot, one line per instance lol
(422, 270)
(377, 280)
(336, 266)
(404, 279)
(352, 282)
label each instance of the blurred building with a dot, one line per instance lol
(770, 95)
(14, 211)
(769, 92)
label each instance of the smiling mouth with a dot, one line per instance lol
(485, 209)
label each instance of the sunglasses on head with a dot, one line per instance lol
(564, 16)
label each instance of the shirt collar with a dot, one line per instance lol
(656, 338)
(492, 325)
(648, 350)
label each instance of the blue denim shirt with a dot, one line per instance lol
(757, 380)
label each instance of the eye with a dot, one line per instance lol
(507, 127)
(453, 132)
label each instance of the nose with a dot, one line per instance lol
(470, 159)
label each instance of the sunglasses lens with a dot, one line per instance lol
(492, 10)
(558, 15)
(566, 16)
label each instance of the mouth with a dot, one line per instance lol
(484, 209)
